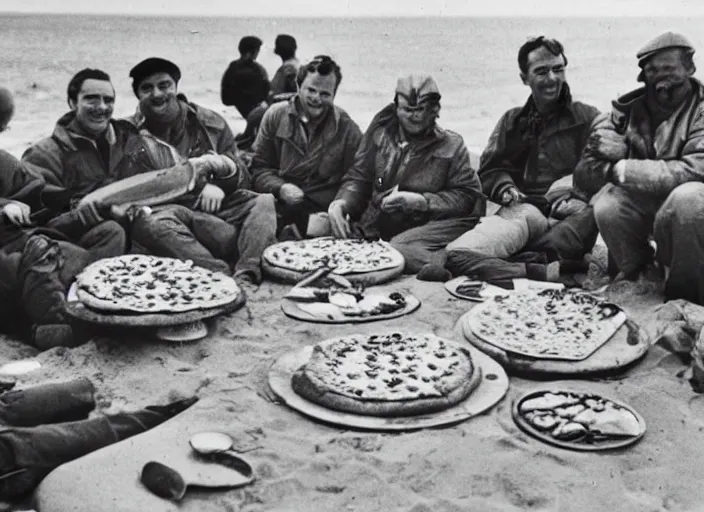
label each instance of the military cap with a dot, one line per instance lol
(417, 88)
(150, 66)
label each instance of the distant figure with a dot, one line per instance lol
(283, 86)
(245, 84)
(304, 147)
(284, 81)
(411, 181)
(7, 108)
(644, 165)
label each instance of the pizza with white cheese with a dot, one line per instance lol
(150, 284)
(546, 324)
(387, 374)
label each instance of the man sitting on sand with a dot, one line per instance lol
(245, 84)
(303, 149)
(644, 163)
(527, 169)
(411, 181)
(224, 222)
(34, 269)
(78, 158)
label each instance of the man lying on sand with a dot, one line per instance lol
(411, 181)
(224, 224)
(644, 163)
(303, 148)
(527, 169)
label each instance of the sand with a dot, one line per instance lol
(483, 464)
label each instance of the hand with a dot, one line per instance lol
(611, 146)
(511, 196)
(17, 213)
(339, 220)
(291, 194)
(130, 212)
(210, 199)
(566, 206)
(404, 202)
(213, 164)
(619, 172)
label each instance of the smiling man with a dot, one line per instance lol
(224, 225)
(645, 166)
(527, 169)
(303, 148)
(411, 182)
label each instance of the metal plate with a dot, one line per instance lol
(489, 290)
(291, 308)
(491, 390)
(579, 445)
(78, 310)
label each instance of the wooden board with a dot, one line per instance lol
(108, 479)
(365, 279)
(491, 390)
(609, 444)
(629, 344)
(291, 308)
(78, 310)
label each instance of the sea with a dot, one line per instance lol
(472, 59)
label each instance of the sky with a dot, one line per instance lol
(343, 8)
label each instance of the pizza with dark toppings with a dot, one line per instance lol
(387, 374)
(344, 256)
(150, 284)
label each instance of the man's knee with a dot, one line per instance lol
(145, 228)
(113, 231)
(685, 203)
(264, 203)
(607, 204)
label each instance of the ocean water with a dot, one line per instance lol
(472, 59)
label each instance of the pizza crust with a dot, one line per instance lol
(387, 375)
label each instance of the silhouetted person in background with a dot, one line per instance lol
(245, 83)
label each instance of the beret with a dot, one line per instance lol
(150, 66)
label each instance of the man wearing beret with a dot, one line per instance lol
(222, 225)
(644, 163)
(526, 168)
(411, 182)
(303, 148)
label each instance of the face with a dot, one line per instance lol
(545, 76)
(415, 119)
(665, 73)
(94, 105)
(157, 95)
(317, 93)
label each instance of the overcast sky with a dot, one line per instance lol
(366, 7)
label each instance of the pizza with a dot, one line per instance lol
(345, 256)
(387, 374)
(546, 324)
(150, 284)
(578, 417)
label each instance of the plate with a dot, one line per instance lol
(78, 310)
(488, 290)
(582, 444)
(491, 390)
(333, 315)
(22, 367)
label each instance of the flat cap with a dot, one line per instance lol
(150, 66)
(417, 88)
(663, 42)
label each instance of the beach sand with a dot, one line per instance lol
(483, 464)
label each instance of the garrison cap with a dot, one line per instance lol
(663, 42)
(417, 88)
(150, 66)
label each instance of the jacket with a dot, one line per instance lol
(533, 156)
(655, 163)
(437, 167)
(244, 81)
(283, 153)
(206, 131)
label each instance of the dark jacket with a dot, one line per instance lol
(244, 85)
(206, 131)
(531, 154)
(437, 167)
(655, 164)
(284, 154)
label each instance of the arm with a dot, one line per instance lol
(463, 189)
(239, 176)
(495, 167)
(358, 181)
(228, 87)
(17, 184)
(593, 170)
(265, 163)
(44, 162)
